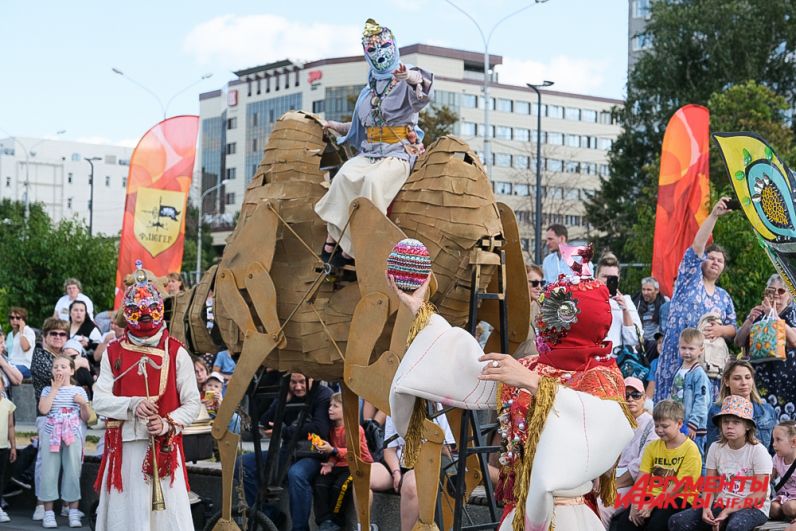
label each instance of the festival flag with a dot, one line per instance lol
(153, 229)
(683, 191)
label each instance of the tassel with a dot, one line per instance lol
(414, 433)
(537, 416)
(111, 460)
(608, 487)
(420, 526)
(422, 317)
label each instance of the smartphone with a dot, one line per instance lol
(613, 284)
(733, 204)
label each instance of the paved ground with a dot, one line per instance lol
(20, 519)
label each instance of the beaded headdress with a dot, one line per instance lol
(143, 304)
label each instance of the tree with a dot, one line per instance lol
(209, 253)
(437, 121)
(699, 47)
(40, 255)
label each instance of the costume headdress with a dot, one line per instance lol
(143, 304)
(381, 50)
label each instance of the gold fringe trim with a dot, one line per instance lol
(420, 526)
(414, 433)
(422, 317)
(537, 415)
(608, 487)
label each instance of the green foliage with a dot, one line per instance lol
(41, 255)
(436, 121)
(209, 253)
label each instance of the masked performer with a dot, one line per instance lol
(384, 130)
(144, 362)
(564, 406)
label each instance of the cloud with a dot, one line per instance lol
(234, 42)
(570, 74)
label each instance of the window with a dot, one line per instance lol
(110, 159)
(589, 168)
(232, 123)
(480, 130)
(555, 111)
(503, 132)
(523, 135)
(124, 182)
(469, 100)
(69, 203)
(317, 106)
(522, 107)
(605, 171)
(231, 148)
(556, 139)
(587, 115)
(8, 182)
(502, 188)
(521, 162)
(254, 144)
(75, 157)
(124, 162)
(587, 142)
(641, 42)
(571, 166)
(571, 113)
(69, 177)
(287, 80)
(526, 244)
(231, 173)
(572, 140)
(522, 189)
(606, 118)
(555, 165)
(254, 119)
(641, 8)
(503, 105)
(481, 103)
(571, 194)
(229, 198)
(604, 143)
(523, 216)
(271, 115)
(467, 129)
(502, 160)
(107, 180)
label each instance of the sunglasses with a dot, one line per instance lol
(57, 334)
(633, 395)
(537, 283)
(776, 291)
(14, 317)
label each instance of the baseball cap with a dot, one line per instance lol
(634, 383)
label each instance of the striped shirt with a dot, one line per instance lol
(64, 406)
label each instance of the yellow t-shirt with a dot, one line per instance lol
(683, 461)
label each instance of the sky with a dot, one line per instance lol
(57, 57)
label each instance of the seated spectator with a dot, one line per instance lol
(303, 470)
(783, 506)
(392, 474)
(83, 378)
(73, 289)
(654, 365)
(212, 397)
(627, 469)
(10, 374)
(332, 486)
(224, 364)
(20, 341)
(82, 328)
(625, 325)
(8, 442)
(648, 302)
(117, 330)
(173, 283)
(200, 368)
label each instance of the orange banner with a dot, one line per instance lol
(683, 191)
(161, 170)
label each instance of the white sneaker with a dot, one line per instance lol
(65, 511)
(38, 514)
(74, 518)
(49, 520)
(4, 516)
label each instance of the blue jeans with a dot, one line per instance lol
(300, 479)
(24, 370)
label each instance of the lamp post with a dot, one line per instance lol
(537, 233)
(27, 164)
(90, 161)
(485, 39)
(199, 227)
(165, 107)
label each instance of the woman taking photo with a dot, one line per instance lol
(776, 379)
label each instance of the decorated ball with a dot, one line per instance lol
(409, 263)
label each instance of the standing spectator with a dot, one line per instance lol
(776, 380)
(82, 328)
(173, 283)
(648, 302)
(117, 331)
(224, 364)
(536, 284)
(625, 323)
(554, 264)
(20, 340)
(41, 368)
(690, 386)
(74, 291)
(695, 294)
(8, 443)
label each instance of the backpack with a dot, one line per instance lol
(717, 355)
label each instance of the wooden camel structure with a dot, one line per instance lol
(277, 306)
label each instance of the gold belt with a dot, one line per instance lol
(561, 500)
(113, 423)
(388, 134)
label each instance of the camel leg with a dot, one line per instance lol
(256, 348)
(360, 470)
(427, 474)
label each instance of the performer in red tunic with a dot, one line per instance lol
(144, 362)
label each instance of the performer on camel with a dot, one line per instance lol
(384, 130)
(147, 391)
(556, 404)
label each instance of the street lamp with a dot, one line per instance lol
(199, 227)
(91, 160)
(27, 164)
(486, 39)
(537, 233)
(163, 108)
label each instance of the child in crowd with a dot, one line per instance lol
(691, 386)
(201, 371)
(61, 444)
(737, 454)
(783, 506)
(213, 395)
(8, 441)
(333, 485)
(672, 455)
